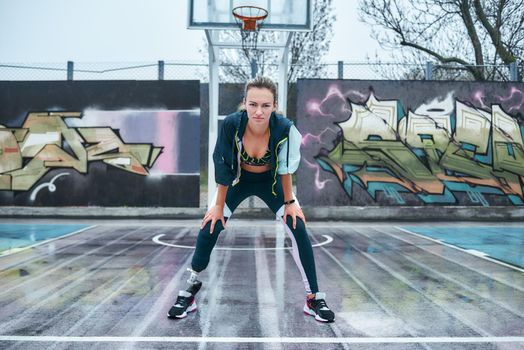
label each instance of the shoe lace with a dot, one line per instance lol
(321, 304)
(181, 300)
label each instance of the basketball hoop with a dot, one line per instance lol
(249, 20)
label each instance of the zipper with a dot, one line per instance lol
(239, 146)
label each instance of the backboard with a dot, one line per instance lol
(285, 15)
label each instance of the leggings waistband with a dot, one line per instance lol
(254, 177)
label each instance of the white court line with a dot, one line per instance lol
(157, 240)
(468, 251)
(18, 250)
(327, 340)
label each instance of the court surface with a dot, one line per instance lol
(110, 284)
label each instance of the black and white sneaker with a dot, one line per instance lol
(185, 302)
(317, 307)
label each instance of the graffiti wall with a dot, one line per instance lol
(411, 143)
(99, 143)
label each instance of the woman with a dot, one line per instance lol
(255, 154)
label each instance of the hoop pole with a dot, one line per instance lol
(283, 75)
(213, 119)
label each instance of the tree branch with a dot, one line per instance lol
(472, 32)
(494, 33)
(443, 59)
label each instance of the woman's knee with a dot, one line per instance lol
(205, 232)
(300, 226)
(204, 246)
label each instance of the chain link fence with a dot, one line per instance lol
(166, 70)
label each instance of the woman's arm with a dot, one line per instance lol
(221, 196)
(292, 209)
(287, 186)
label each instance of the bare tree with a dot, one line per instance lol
(469, 34)
(306, 50)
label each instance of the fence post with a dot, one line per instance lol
(513, 71)
(160, 70)
(340, 70)
(70, 70)
(429, 71)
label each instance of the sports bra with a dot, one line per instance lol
(247, 159)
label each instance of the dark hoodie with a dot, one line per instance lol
(229, 144)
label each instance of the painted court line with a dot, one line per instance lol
(327, 340)
(468, 251)
(157, 240)
(17, 250)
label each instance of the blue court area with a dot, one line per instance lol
(16, 236)
(499, 242)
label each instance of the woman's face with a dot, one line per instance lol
(260, 103)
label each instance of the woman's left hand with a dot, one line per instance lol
(294, 211)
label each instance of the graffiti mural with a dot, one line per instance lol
(42, 140)
(410, 143)
(100, 143)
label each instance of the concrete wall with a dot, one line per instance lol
(411, 143)
(100, 143)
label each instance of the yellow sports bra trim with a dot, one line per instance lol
(247, 159)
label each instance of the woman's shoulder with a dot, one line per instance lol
(282, 123)
(234, 118)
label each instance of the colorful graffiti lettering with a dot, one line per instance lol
(439, 149)
(45, 142)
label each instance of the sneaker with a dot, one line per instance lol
(317, 307)
(185, 302)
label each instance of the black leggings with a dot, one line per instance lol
(260, 184)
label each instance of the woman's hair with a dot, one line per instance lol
(261, 83)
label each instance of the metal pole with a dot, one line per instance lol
(254, 68)
(70, 70)
(340, 70)
(254, 71)
(282, 76)
(213, 118)
(429, 71)
(513, 71)
(160, 70)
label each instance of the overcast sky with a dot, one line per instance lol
(133, 31)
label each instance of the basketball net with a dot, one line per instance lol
(250, 19)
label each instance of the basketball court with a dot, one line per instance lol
(108, 284)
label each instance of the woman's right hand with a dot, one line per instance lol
(214, 214)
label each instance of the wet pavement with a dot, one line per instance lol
(111, 285)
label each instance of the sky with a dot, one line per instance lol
(37, 31)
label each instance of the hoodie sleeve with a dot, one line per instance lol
(222, 156)
(289, 154)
